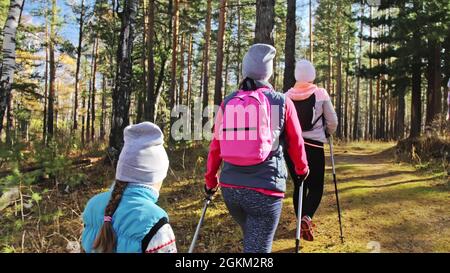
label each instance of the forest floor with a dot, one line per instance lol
(386, 206)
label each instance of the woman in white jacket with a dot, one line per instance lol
(317, 118)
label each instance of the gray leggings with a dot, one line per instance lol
(257, 214)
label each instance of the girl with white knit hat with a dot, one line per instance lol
(318, 119)
(126, 218)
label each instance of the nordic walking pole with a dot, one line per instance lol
(330, 141)
(197, 230)
(299, 218)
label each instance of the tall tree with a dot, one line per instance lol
(103, 112)
(52, 72)
(371, 119)
(93, 94)
(173, 73)
(291, 29)
(358, 78)
(205, 66)
(150, 104)
(122, 92)
(77, 70)
(218, 94)
(8, 64)
(265, 21)
(311, 39)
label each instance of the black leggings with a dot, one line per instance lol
(313, 186)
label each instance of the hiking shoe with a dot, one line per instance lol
(307, 228)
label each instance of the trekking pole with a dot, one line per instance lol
(197, 230)
(299, 218)
(330, 141)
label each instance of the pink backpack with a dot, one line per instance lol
(245, 133)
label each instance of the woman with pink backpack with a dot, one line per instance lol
(252, 128)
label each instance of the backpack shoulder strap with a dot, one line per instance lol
(229, 97)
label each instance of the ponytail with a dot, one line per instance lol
(248, 85)
(106, 238)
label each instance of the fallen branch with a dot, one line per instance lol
(38, 167)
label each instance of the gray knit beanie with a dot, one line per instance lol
(258, 62)
(143, 158)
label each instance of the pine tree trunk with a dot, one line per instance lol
(189, 77)
(181, 80)
(8, 64)
(150, 107)
(218, 94)
(400, 134)
(416, 103)
(358, 81)
(291, 29)
(88, 113)
(265, 21)
(122, 92)
(311, 38)
(173, 73)
(77, 70)
(347, 90)
(44, 122)
(434, 82)
(371, 81)
(52, 68)
(339, 74)
(238, 72)
(205, 67)
(103, 113)
(94, 90)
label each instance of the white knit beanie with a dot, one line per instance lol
(258, 62)
(143, 158)
(305, 71)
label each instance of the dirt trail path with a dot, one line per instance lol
(386, 207)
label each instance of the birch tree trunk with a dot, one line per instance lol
(8, 65)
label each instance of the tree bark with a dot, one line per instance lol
(358, 80)
(265, 21)
(370, 80)
(291, 29)
(218, 94)
(238, 73)
(311, 38)
(339, 73)
(52, 68)
(103, 114)
(122, 91)
(434, 82)
(416, 102)
(44, 123)
(173, 73)
(77, 70)
(206, 60)
(94, 90)
(8, 65)
(181, 80)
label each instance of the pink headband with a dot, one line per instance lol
(107, 218)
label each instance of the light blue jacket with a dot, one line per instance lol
(136, 214)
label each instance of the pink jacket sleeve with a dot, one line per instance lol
(213, 164)
(294, 139)
(214, 159)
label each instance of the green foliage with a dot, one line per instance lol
(8, 249)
